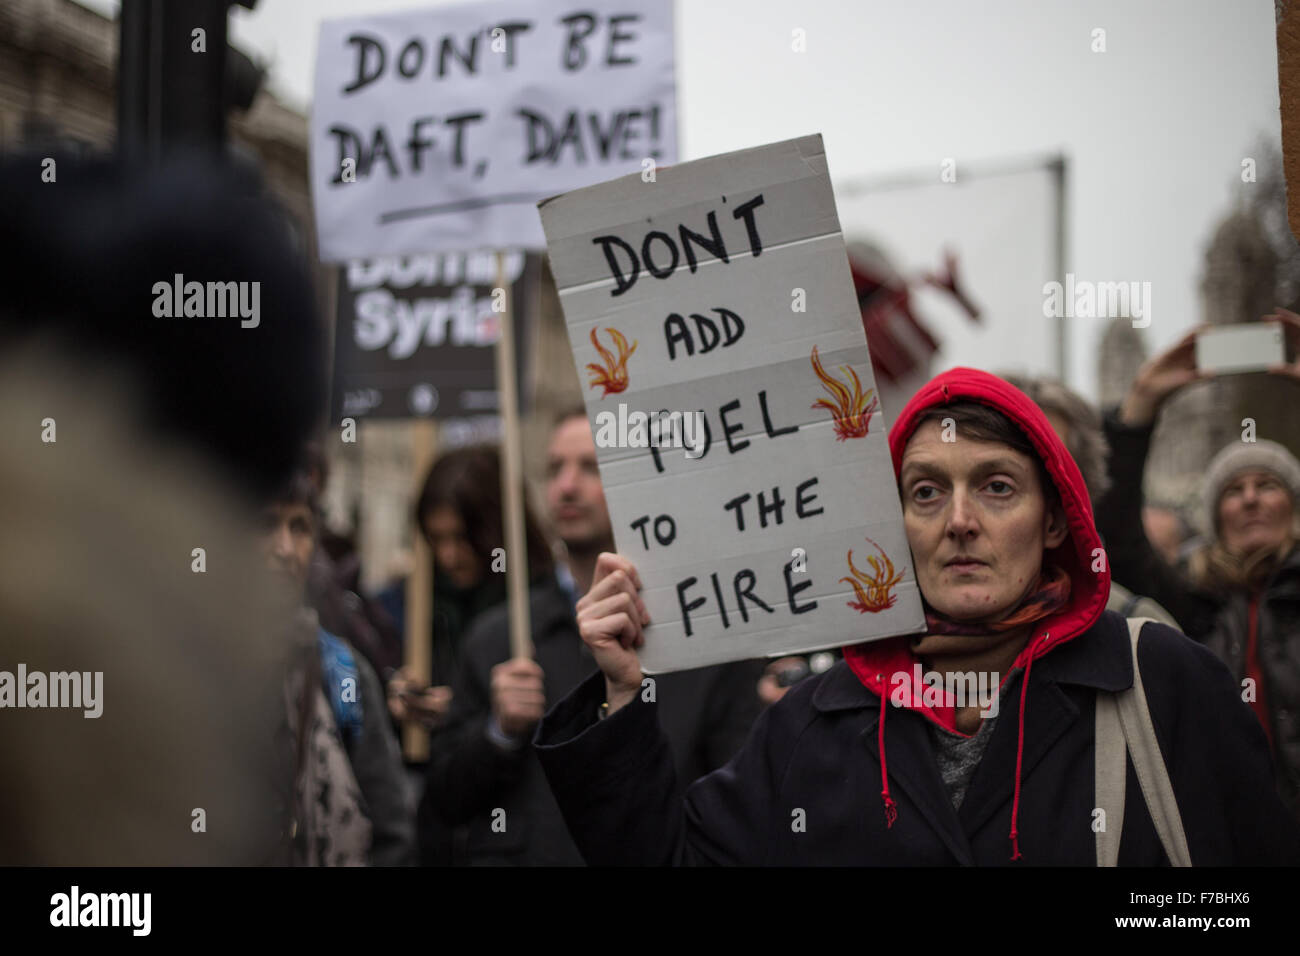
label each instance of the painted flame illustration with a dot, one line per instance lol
(852, 410)
(873, 590)
(612, 376)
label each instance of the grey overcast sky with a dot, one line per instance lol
(1156, 127)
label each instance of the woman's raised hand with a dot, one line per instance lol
(1160, 377)
(611, 619)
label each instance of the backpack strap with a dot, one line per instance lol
(1130, 605)
(1111, 776)
(1128, 713)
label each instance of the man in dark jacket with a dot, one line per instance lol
(845, 771)
(483, 774)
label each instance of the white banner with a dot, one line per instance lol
(439, 130)
(720, 295)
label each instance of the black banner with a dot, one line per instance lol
(414, 335)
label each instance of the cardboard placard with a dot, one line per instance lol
(439, 130)
(723, 288)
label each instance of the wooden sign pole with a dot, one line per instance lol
(417, 657)
(1288, 84)
(512, 477)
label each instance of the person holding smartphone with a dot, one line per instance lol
(1239, 593)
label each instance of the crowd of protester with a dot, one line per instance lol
(523, 770)
(1034, 551)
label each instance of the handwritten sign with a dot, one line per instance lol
(720, 294)
(439, 130)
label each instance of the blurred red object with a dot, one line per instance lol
(901, 344)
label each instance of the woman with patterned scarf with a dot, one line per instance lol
(851, 768)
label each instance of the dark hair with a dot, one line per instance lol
(468, 481)
(297, 489)
(981, 422)
(315, 464)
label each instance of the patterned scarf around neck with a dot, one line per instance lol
(1049, 595)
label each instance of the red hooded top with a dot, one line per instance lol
(875, 663)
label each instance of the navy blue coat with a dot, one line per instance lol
(805, 789)
(707, 715)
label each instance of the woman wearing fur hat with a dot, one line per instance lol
(1240, 592)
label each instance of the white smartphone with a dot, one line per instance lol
(1248, 347)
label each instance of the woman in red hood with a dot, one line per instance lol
(1015, 583)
